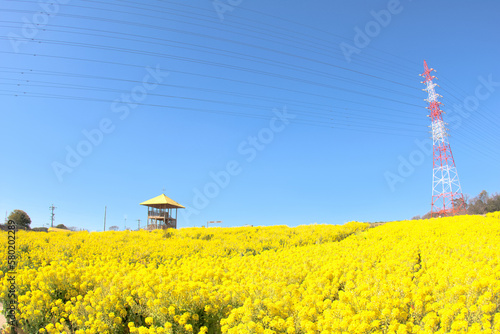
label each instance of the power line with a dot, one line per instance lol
(229, 79)
(243, 32)
(239, 55)
(328, 115)
(52, 73)
(365, 128)
(206, 36)
(226, 40)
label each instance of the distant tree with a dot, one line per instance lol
(460, 204)
(483, 203)
(417, 217)
(477, 205)
(114, 228)
(62, 226)
(21, 218)
(73, 228)
(493, 203)
(427, 215)
(466, 200)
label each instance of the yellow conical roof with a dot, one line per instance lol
(162, 202)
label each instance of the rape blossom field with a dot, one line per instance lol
(424, 276)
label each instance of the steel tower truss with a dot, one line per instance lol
(447, 197)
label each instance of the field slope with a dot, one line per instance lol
(425, 276)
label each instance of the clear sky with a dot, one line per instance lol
(246, 111)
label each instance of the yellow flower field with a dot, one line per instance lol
(425, 276)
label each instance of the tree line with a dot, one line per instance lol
(23, 222)
(479, 205)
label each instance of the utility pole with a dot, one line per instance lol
(138, 224)
(52, 207)
(105, 217)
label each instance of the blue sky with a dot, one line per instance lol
(250, 112)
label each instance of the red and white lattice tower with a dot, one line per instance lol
(447, 197)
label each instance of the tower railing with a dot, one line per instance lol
(158, 213)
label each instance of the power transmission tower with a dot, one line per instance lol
(138, 224)
(447, 197)
(52, 208)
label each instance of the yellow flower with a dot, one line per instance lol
(425, 276)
